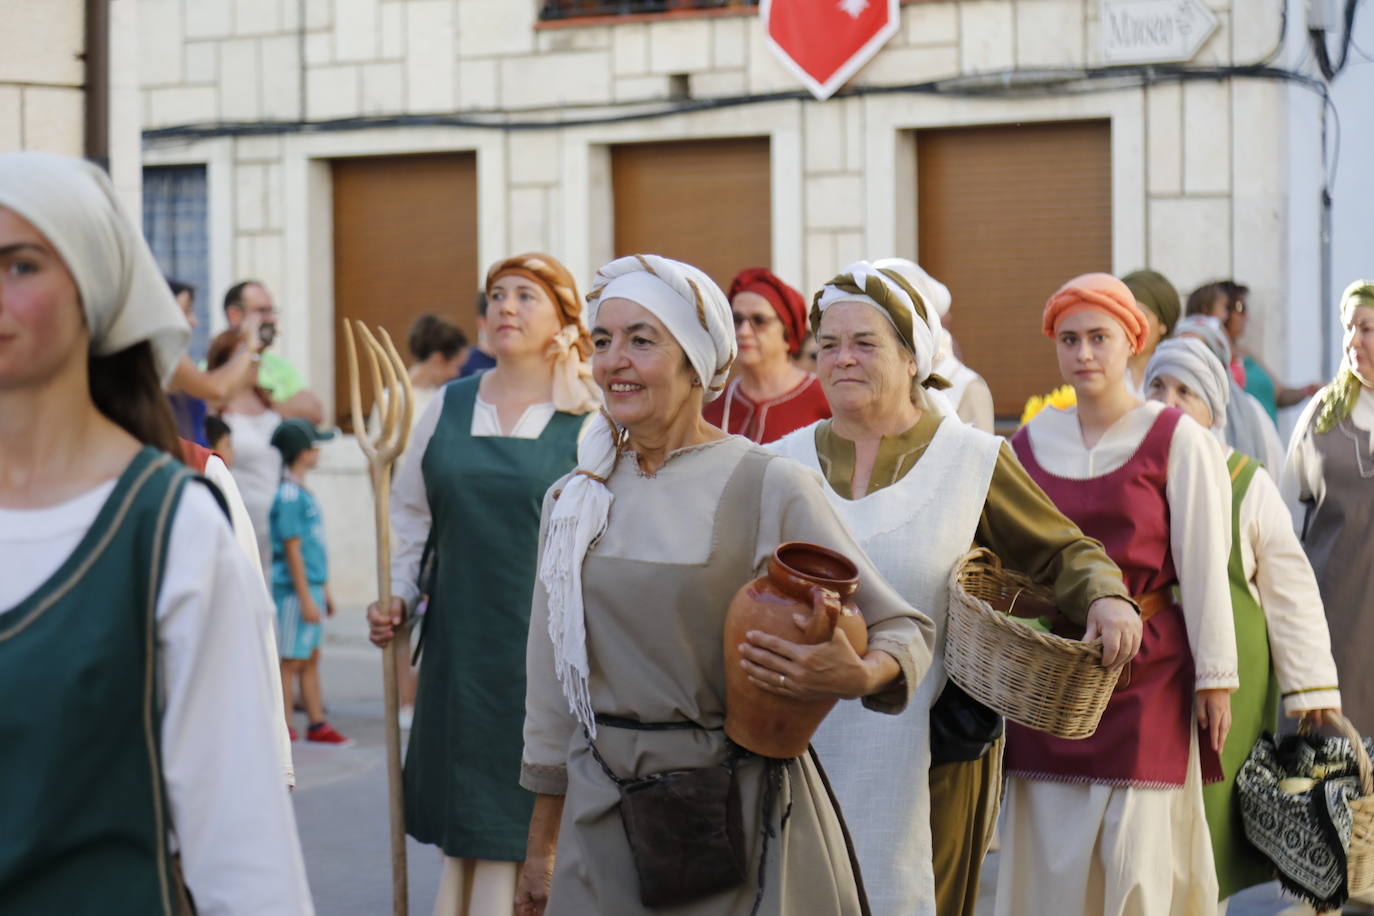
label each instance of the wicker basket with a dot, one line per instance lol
(1038, 680)
(1360, 856)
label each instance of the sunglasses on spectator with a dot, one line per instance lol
(758, 321)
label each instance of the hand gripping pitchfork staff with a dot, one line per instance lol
(389, 378)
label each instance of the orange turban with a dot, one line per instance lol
(1103, 293)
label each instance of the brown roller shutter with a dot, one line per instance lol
(1006, 214)
(405, 243)
(706, 202)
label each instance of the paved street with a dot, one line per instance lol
(341, 799)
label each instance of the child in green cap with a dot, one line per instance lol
(300, 571)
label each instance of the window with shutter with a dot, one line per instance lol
(1005, 215)
(706, 202)
(405, 243)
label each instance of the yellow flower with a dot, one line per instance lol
(1062, 397)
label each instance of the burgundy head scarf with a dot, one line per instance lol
(786, 301)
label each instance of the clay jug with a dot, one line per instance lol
(766, 723)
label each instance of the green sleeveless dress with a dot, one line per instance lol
(1254, 710)
(79, 727)
(462, 769)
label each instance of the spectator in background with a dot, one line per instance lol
(440, 348)
(250, 302)
(191, 388)
(479, 357)
(219, 440)
(300, 576)
(247, 411)
(1255, 376)
(1159, 300)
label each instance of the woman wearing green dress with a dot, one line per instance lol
(488, 445)
(1282, 643)
(136, 728)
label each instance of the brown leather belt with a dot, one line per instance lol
(1151, 603)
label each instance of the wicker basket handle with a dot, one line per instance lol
(1347, 730)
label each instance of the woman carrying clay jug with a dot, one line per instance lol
(918, 488)
(626, 665)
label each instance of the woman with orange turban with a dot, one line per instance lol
(484, 451)
(771, 396)
(1113, 824)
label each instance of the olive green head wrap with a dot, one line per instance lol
(1153, 290)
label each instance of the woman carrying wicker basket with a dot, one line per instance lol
(1281, 633)
(917, 487)
(1113, 824)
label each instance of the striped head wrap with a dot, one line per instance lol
(917, 324)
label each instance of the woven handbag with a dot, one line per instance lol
(1039, 680)
(1321, 841)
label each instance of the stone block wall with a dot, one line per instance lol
(1200, 169)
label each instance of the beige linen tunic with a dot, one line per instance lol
(656, 587)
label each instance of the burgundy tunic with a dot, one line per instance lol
(766, 421)
(1143, 738)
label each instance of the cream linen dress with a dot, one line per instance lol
(677, 547)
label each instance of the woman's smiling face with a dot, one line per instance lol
(640, 367)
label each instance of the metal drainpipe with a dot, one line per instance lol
(97, 58)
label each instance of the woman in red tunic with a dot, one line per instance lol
(771, 396)
(1113, 824)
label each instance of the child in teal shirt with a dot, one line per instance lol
(300, 571)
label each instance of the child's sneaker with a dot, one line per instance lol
(324, 733)
(291, 733)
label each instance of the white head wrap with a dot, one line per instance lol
(917, 326)
(123, 294)
(935, 293)
(1191, 362)
(697, 314)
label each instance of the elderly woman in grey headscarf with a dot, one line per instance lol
(1283, 646)
(625, 664)
(146, 705)
(1248, 428)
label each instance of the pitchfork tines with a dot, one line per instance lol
(395, 400)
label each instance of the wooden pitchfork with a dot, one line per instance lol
(389, 379)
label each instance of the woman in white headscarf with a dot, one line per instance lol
(918, 490)
(968, 391)
(146, 704)
(1282, 642)
(642, 549)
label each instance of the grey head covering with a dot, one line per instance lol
(1191, 362)
(123, 295)
(1244, 429)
